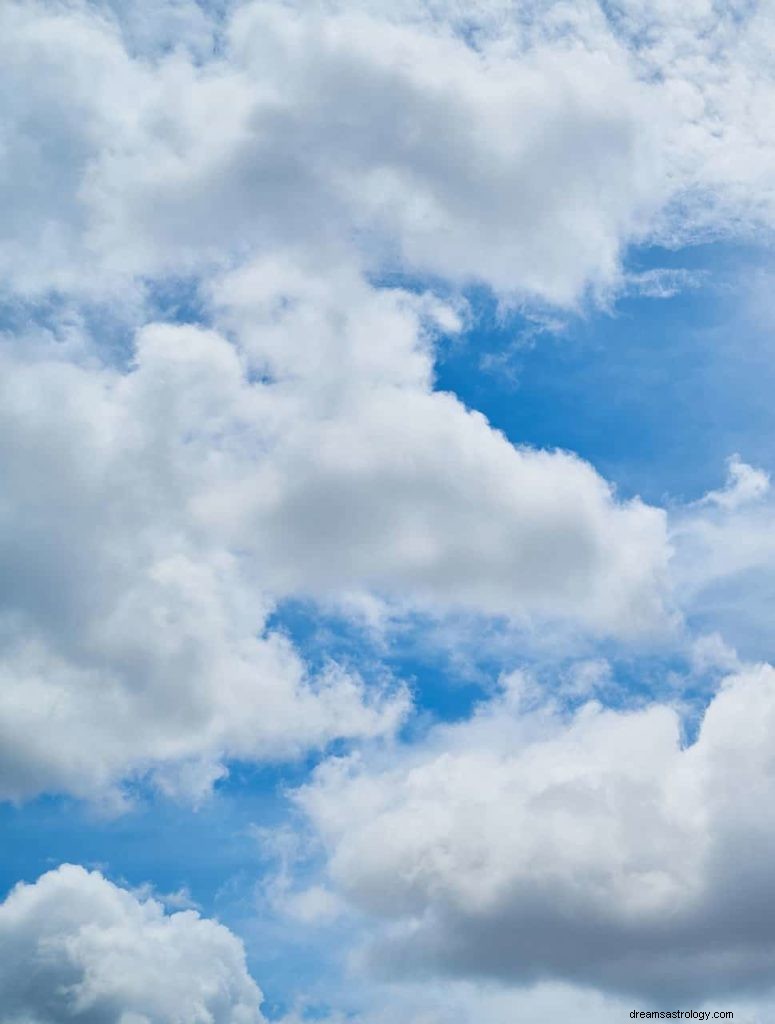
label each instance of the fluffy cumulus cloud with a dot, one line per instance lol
(599, 847)
(518, 145)
(75, 947)
(383, 483)
(318, 124)
(154, 514)
(317, 187)
(133, 636)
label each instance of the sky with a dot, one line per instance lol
(387, 535)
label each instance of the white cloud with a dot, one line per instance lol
(723, 566)
(133, 638)
(456, 1002)
(313, 126)
(599, 848)
(75, 947)
(745, 484)
(523, 147)
(712, 62)
(382, 484)
(459, 1002)
(152, 518)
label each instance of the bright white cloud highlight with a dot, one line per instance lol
(132, 637)
(527, 171)
(523, 147)
(75, 947)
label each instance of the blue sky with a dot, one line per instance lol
(386, 558)
(649, 391)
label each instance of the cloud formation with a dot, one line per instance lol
(318, 187)
(380, 482)
(315, 126)
(522, 147)
(132, 636)
(75, 947)
(723, 564)
(154, 514)
(597, 847)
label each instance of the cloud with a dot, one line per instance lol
(384, 485)
(133, 638)
(75, 947)
(519, 147)
(161, 498)
(154, 514)
(597, 847)
(712, 65)
(456, 1002)
(523, 148)
(315, 127)
(723, 565)
(744, 485)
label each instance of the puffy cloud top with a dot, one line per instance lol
(75, 947)
(520, 146)
(599, 848)
(154, 515)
